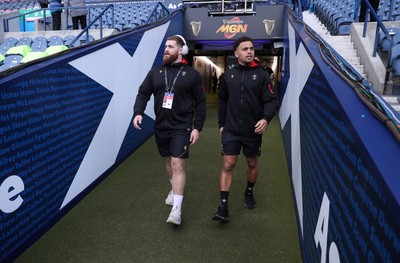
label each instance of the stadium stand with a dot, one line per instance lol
(377, 62)
(125, 15)
(25, 49)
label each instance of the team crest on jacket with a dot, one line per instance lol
(254, 77)
(160, 71)
(183, 73)
(232, 76)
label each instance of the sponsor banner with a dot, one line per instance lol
(347, 209)
(266, 24)
(66, 123)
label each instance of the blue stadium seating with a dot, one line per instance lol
(127, 15)
(12, 59)
(384, 43)
(4, 48)
(11, 41)
(38, 46)
(40, 39)
(24, 41)
(68, 39)
(337, 15)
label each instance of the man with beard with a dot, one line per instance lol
(180, 109)
(246, 105)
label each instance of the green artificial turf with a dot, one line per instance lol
(123, 219)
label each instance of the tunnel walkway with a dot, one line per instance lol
(123, 219)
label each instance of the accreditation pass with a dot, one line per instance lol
(168, 99)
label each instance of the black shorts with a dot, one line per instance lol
(232, 143)
(173, 143)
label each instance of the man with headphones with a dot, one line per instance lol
(180, 109)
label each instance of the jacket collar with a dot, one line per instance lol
(177, 64)
(252, 64)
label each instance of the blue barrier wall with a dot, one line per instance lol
(66, 123)
(343, 162)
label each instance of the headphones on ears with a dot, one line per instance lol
(185, 48)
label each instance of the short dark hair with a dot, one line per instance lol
(240, 40)
(177, 39)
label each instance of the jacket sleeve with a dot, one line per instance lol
(199, 99)
(143, 96)
(269, 100)
(222, 103)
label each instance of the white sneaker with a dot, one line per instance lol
(170, 198)
(174, 217)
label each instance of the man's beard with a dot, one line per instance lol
(170, 58)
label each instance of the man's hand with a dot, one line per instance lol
(137, 121)
(261, 126)
(194, 136)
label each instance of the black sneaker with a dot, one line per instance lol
(222, 215)
(249, 201)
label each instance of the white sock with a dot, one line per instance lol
(178, 202)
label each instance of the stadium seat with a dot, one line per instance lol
(343, 26)
(5, 66)
(56, 42)
(38, 46)
(4, 48)
(55, 39)
(33, 55)
(55, 49)
(11, 41)
(40, 39)
(12, 59)
(384, 43)
(24, 41)
(68, 39)
(22, 50)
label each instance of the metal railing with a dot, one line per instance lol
(379, 26)
(160, 11)
(45, 15)
(99, 17)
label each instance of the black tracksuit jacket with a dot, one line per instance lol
(245, 97)
(189, 103)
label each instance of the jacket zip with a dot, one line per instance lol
(241, 101)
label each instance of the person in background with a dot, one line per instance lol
(265, 66)
(43, 3)
(363, 8)
(78, 15)
(214, 81)
(246, 106)
(180, 109)
(56, 10)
